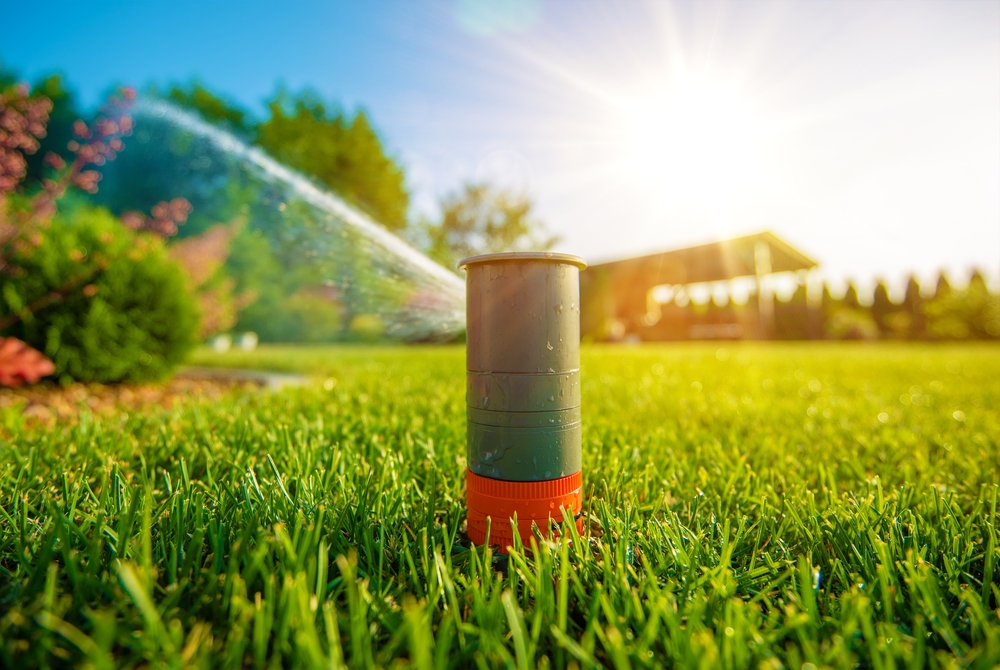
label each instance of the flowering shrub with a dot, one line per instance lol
(22, 123)
(105, 303)
(108, 304)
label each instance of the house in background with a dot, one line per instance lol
(650, 297)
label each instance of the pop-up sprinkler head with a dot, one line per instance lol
(523, 392)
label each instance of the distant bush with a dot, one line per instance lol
(852, 324)
(106, 304)
(972, 313)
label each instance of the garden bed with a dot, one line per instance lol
(49, 402)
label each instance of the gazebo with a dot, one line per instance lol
(621, 292)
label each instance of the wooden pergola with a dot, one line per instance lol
(622, 289)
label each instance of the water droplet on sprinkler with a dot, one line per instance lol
(552, 398)
(548, 345)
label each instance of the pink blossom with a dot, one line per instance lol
(107, 127)
(87, 180)
(133, 220)
(80, 129)
(54, 160)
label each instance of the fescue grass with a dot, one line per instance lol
(797, 506)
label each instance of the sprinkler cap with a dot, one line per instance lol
(524, 256)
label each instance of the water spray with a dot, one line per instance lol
(371, 279)
(523, 392)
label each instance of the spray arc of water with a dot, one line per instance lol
(379, 283)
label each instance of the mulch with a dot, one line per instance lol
(48, 403)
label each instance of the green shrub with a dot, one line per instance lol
(104, 303)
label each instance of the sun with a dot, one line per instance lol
(692, 141)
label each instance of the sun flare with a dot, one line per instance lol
(693, 141)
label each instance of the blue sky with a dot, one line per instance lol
(868, 134)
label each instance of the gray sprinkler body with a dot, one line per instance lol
(523, 365)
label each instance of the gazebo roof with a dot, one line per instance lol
(716, 261)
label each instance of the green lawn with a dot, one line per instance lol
(794, 506)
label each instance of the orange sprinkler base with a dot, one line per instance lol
(534, 503)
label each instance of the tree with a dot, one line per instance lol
(827, 301)
(482, 219)
(165, 162)
(211, 107)
(846, 319)
(850, 299)
(882, 306)
(985, 320)
(914, 323)
(943, 287)
(791, 317)
(343, 153)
